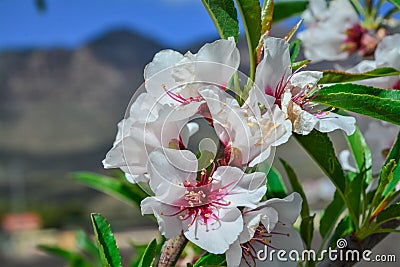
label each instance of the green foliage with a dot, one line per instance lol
(74, 259)
(108, 247)
(354, 189)
(300, 64)
(321, 149)
(275, 185)
(331, 215)
(334, 76)
(361, 153)
(390, 213)
(132, 194)
(250, 11)
(224, 15)
(394, 154)
(149, 254)
(211, 260)
(307, 230)
(267, 12)
(396, 3)
(344, 228)
(374, 102)
(85, 244)
(286, 9)
(294, 49)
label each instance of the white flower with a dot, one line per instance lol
(334, 32)
(247, 135)
(387, 54)
(204, 209)
(294, 92)
(158, 116)
(267, 227)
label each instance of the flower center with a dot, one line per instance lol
(179, 98)
(304, 99)
(201, 202)
(261, 236)
(360, 39)
(396, 86)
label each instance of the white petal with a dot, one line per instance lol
(217, 62)
(333, 121)
(158, 73)
(288, 208)
(243, 189)
(388, 52)
(234, 254)
(275, 64)
(169, 226)
(169, 167)
(216, 238)
(303, 78)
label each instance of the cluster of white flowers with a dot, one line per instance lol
(217, 205)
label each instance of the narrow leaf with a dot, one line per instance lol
(106, 241)
(390, 213)
(293, 31)
(275, 186)
(286, 9)
(266, 16)
(334, 76)
(251, 17)
(127, 192)
(353, 194)
(331, 215)
(300, 64)
(149, 254)
(361, 153)
(374, 102)
(74, 259)
(294, 49)
(84, 243)
(223, 14)
(211, 260)
(307, 230)
(344, 228)
(396, 3)
(321, 149)
(394, 154)
(297, 187)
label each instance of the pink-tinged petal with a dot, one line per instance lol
(216, 237)
(288, 208)
(234, 254)
(275, 66)
(217, 62)
(169, 226)
(169, 168)
(242, 189)
(157, 73)
(333, 121)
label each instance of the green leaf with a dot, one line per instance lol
(267, 13)
(394, 154)
(127, 192)
(361, 153)
(106, 241)
(275, 186)
(374, 102)
(331, 215)
(354, 188)
(334, 76)
(286, 9)
(84, 243)
(149, 254)
(294, 49)
(223, 14)
(307, 230)
(300, 64)
(385, 178)
(297, 187)
(344, 228)
(251, 17)
(73, 258)
(390, 213)
(396, 3)
(211, 259)
(321, 149)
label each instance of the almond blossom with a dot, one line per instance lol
(267, 227)
(205, 209)
(294, 92)
(157, 117)
(334, 31)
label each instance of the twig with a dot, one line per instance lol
(171, 250)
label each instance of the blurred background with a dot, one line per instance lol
(68, 69)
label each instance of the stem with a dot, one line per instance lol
(171, 250)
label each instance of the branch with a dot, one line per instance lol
(171, 250)
(354, 244)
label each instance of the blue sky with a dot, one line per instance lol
(71, 23)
